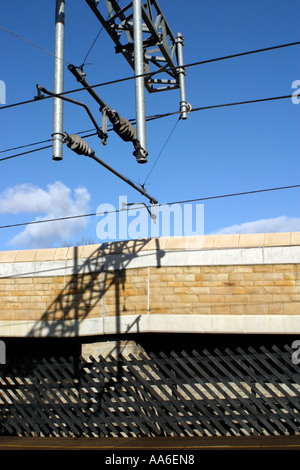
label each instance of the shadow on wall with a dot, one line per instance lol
(85, 288)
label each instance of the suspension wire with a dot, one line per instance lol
(90, 49)
(161, 151)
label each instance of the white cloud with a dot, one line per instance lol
(53, 202)
(277, 224)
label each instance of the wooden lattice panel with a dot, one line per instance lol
(218, 392)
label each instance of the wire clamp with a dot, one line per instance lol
(151, 212)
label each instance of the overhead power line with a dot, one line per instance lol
(240, 54)
(36, 150)
(231, 56)
(41, 142)
(112, 82)
(207, 198)
(245, 193)
(215, 106)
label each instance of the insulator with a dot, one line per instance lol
(79, 146)
(125, 130)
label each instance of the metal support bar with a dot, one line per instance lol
(139, 80)
(70, 100)
(128, 181)
(58, 80)
(121, 126)
(80, 77)
(184, 106)
(84, 149)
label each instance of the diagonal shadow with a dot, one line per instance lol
(87, 286)
(90, 281)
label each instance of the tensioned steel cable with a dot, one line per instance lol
(160, 116)
(41, 142)
(240, 54)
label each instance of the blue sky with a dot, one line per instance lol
(214, 152)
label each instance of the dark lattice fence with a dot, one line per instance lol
(219, 392)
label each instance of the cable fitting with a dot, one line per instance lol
(140, 153)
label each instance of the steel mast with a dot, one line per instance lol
(57, 134)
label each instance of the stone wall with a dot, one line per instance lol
(211, 284)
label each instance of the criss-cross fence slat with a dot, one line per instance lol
(210, 392)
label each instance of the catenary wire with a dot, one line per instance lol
(40, 148)
(207, 198)
(160, 116)
(240, 54)
(26, 145)
(112, 82)
(25, 153)
(215, 106)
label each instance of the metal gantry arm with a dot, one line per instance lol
(159, 43)
(141, 33)
(81, 147)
